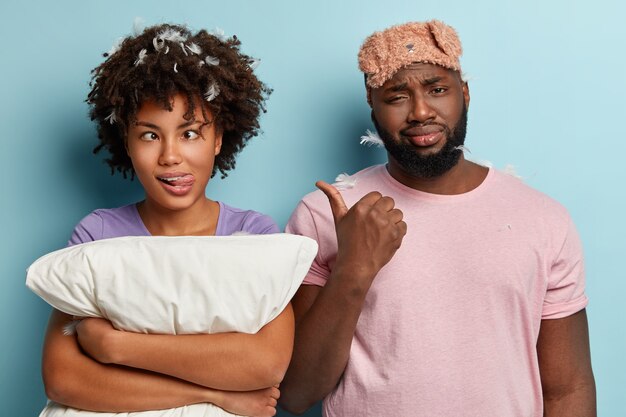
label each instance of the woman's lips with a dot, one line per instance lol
(177, 184)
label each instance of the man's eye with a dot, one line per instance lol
(439, 90)
(395, 99)
(191, 135)
(149, 136)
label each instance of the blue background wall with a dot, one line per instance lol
(548, 96)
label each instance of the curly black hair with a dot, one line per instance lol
(166, 60)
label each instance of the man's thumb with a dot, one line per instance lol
(337, 205)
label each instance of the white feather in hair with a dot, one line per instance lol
(212, 92)
(138, 26)
(344, 182)
(141, 57)
(219, 34)
(172, 35)
(211, 60)
(194, 48)
(115, 47)
(111, 117)
(371, 138)
(254, 64)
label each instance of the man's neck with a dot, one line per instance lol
(462, 178)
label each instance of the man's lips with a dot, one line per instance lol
(423, 136)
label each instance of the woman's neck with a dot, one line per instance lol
(197, 220)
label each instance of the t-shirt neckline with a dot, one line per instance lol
(422, 195)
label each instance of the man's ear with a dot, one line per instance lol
(368, 91)
(466, 94)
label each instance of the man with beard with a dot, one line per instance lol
(441, 287)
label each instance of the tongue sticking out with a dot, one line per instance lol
(180, 181)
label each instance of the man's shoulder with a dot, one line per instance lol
(514, 189)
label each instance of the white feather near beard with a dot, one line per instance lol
(463, 148)
(371, 138)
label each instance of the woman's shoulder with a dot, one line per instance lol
(232, 220)
(108, 223)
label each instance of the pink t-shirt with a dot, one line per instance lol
(449, 327)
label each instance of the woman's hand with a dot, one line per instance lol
(259, 403)
(97, 337)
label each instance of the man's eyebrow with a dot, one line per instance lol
(397, 87)
(432, 80)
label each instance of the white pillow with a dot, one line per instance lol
(174, 285)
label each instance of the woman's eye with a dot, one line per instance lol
(191, 135)
(149, 136)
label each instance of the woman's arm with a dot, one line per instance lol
(224, 361)
(76, 380)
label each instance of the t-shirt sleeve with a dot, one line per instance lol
(302, 223)
(87, 230)
(260, 224)
(566, 283)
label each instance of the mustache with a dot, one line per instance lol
(414, 125)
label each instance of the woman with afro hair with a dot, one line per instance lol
(172, 109)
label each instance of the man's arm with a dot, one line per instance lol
(565, 367)
(224, 361)
(368, 235)
(74, 379)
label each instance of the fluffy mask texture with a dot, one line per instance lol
(384, 53)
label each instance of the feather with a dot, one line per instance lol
(141, 57)
(194, 48)
(463, 148)
(344, 182)
(111, 117)
(509, 169)
(115, 47)
(212, 92)
(466, 77)
(175, 65)
(158, 43)
(371, 138)
(254, 64)
(182, 45)
(172, 35)
(219, 34)
(211, 60)
(138, 26)
(70, 328)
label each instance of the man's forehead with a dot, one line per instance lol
(420, 72)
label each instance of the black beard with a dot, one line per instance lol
(432, 165)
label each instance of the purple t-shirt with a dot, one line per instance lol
(125, 221)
